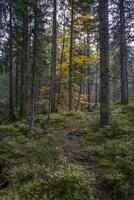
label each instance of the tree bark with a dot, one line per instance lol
(53, 60)
(25, 67)
(96, 86)
(89, 76)
(79, 97)
(61, 62)
(71, 56)
(105, 111)
(17, 74)
(11, 111)
(28, 70)
(33, 70)
(123, 55)
(89, 91)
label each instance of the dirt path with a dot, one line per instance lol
(75, 154)
(72, 149)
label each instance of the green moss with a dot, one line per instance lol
(117, 185)
(111, 150)
(69, 183)
(35, 165)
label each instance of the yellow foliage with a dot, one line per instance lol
(82, 59)
(45, 88)
(86, 17)
(62, 67)
(82, 19)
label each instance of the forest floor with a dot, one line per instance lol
(75, 154)
(69, 157)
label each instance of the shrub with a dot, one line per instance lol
(117, 185)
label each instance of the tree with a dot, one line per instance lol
(53, 59)
(123, 55)
(11, 112)
(105, 111)
(71, 56)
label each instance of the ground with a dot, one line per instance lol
(69, 157)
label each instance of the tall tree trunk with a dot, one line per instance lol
(27, 67)
(79, 97)
(23, 69)
(16, 78)
(61, 62)
(22, 104)
(53, 60)
(89, 91)
(89, 76)
(96, 86)
(123, 55)
(105, 111)
(11, 112)
(71, 56)
(34, 65)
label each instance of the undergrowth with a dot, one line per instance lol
(111, 150)
(34, 164)
(33, 160)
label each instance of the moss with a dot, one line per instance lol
(34, 163)
(111, 150)
(116, 184)
(69, 183)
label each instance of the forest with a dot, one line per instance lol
(66, 100)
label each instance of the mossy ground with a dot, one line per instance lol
(35, 164)
(111, 152)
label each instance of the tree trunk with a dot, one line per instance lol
(71, 56)
(11, 112)
(28, 73)
(34, 65)
(123, 55)
(79, 97)
(25, 68)
(53, 60)
(89, 76)
(105, 111)
(61, 62)
(17, 74)
(96, 86)
(22, 104)
(89, 91)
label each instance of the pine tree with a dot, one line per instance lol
(123, 55)
(53, 59)
(105, 111)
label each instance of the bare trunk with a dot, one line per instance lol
(96, 87)
(11, 112)
(53, 61)
(17, 74)
(61, 62)
(89, 92)
(123, 56)
(71, 56)
(34, 66)
(79, 97)
(28, 73)
(105, 111)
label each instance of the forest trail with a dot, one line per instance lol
(75, 154)
(72, 149)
